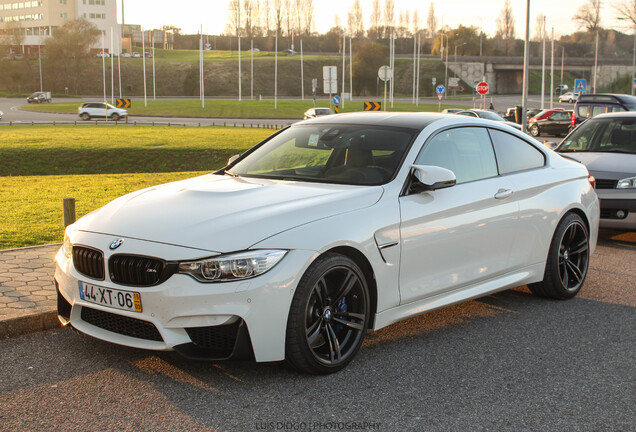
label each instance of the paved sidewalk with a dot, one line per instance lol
(27, 291)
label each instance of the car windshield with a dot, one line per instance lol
(615, 135)
(322, 111)
(342, 154)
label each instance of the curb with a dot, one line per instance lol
(31, 323)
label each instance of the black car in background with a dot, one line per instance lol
(557, 123)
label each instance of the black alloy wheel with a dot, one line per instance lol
(568, 260)
(328, 317)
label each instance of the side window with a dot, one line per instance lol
(599, 110)
(584, 111)
(466, 151)
(514, 154)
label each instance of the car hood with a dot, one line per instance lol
(222, 213)
(611, 166)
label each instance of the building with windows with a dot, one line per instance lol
(25, 25)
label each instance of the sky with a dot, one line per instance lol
(190, 15)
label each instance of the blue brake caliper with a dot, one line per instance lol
(340, 307)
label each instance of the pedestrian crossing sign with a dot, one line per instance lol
(580, 85)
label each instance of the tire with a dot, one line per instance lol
(534, 131)
(85, 116)
(328, 317)
(115, 117)
(568, 260)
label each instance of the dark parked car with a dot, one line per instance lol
(556, 123)
(591, 105)
(510, 114)
(606, 145)
(39, 97)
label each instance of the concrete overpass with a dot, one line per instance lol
(505, 74)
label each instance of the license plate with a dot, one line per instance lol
(118, 299)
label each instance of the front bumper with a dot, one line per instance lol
(618, 209)
(213, 321)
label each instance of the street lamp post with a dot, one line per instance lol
(445, 51)
(633, 61)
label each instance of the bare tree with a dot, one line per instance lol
(308, 15)
(266, 16)
(376, 18)
(415, 18)
(431, 20)
(248, 16)
(506, 27)
(626, 11)
(13, 35)
(355, 22)
(389, 16)
(288, 18)
(589, 15)
(232, 27)
(277, 15)
(298, 16)
(540, 31)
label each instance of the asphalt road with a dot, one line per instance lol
(509, 361)
(12, 113)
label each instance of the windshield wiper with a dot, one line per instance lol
(230, 173)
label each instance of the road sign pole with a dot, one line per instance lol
(384, 106)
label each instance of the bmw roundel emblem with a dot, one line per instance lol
(115, 244)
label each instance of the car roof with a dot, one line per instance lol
(619, 114)
(411, 120)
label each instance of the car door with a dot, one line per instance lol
(463, 234)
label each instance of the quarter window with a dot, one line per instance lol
(466, 151)
(515, 154)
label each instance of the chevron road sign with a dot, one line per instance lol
(372, 106)
(122, 103)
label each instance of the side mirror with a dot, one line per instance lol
(429, 178)
(232, 159)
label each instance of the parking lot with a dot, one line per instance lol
(509, 361)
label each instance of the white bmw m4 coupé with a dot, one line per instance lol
(327, 229)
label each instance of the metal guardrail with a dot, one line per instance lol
(139, 123)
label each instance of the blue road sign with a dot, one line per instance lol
(440, 89)
(336, 100)
(580, 85)
(634, 83)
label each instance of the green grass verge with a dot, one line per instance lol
(31, 213)
(292, 109)
(88, 149)
(41, 165)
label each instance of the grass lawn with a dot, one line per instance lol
(32, 205)
(41, 165)
(103, 149)
(233, 108)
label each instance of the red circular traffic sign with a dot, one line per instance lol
(482, 88)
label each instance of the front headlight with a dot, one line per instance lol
(224, 268)
(628, 183)
(67, 247)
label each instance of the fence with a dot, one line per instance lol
(140, 123)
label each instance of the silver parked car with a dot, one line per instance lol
(606, 144)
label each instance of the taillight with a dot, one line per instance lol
(592, 180)
(573, 120)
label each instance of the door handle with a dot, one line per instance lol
(503, 193)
